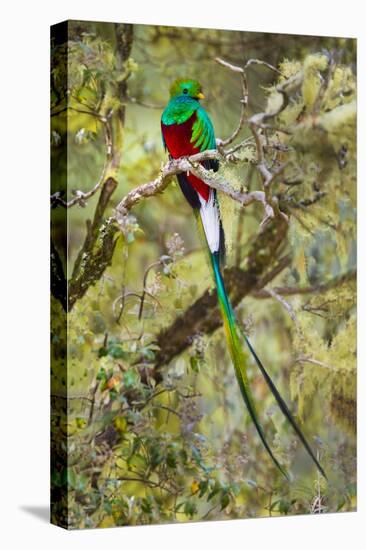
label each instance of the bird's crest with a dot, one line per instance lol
(188, 87)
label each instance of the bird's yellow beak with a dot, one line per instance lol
(200, 96)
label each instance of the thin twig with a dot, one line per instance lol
(144, 103)
(283, 302)
(313, 289)
(243, 101)
(264, 63)
(312, 361)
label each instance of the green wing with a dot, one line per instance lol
(203, 135)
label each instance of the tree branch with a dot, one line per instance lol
(203, 316)
(314, 289)
(92, 260)
(191, 164)
(288, 307)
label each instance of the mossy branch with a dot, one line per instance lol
(191, 164)
(97, 251)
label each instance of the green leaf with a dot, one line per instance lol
(283, 506)
(81, 483)
(147, 505)
(148, 354)
(116, 351)
(190, 508)
(203, 486)
(225, 500)
(156, 456)
(195, 364)
(235, 489)
(183, 456)
(171, 460)
(102, 352)
(56, 479)
(102, 375)
(215, 491)
(131, 379)
(71, 478)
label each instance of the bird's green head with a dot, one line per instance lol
(186, 87)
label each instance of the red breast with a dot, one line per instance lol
(178, 141)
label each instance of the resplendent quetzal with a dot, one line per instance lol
(187, 130)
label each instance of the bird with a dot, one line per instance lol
(186, 130)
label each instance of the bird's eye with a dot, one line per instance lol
(185, 90)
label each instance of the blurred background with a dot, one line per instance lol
(153, 436)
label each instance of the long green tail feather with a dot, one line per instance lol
(240, 361)
(238, 357)
(240, 364)
(284, 408)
